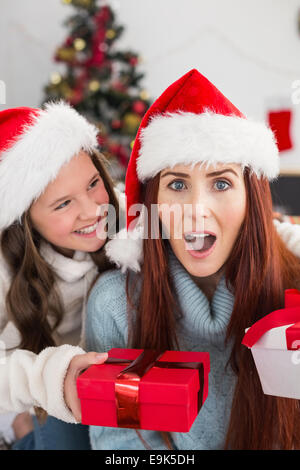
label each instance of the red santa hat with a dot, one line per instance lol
(191, 122)
(34, 145)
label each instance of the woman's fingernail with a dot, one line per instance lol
(101, 357)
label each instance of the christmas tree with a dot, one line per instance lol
(101, 82)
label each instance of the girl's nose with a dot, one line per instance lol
(89, 209)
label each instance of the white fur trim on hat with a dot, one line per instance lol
(55, 135)
(188, 138)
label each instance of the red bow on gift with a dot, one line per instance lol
(289, 314)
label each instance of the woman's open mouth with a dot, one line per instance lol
(200, 244)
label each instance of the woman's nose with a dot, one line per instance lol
(201, 204)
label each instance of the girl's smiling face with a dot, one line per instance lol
(71, 203)
(209, 209)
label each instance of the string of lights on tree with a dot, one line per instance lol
(101, 82)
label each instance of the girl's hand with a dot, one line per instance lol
(77, 365)
(22, 425)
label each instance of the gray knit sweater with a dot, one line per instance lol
(202, 328)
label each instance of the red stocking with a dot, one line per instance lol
(280, 122)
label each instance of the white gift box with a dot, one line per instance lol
(276, 350)
(278, 368)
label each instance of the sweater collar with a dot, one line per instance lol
(67, 269)
(209, 320)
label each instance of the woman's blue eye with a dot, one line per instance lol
(177, 185)
(221, 185)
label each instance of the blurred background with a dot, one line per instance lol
(111, 59)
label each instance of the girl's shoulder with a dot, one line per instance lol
(108, 297)
(110, 280)
(109, 288)
(106, 320)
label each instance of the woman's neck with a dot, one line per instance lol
(208, 284)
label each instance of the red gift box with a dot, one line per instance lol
(143, 389)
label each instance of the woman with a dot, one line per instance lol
(211, 266)
(53, 187)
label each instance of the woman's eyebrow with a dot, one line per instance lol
(185, 175)
(67, 197)
(175, 173)
(217, 173)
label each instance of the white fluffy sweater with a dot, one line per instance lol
(28, 379)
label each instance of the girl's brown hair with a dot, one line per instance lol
(258, 271)
(33, 303)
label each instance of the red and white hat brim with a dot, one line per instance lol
(207, 138)
(53, 137)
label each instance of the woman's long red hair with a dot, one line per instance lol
(258, 271)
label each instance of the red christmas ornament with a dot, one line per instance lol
(76, 97)
(69, 41)
(133, 61)
(118, 86)
(116, 124)
(139, 107)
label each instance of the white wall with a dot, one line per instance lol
(250, 49)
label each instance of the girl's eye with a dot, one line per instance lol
(221, 185)
(177, 185)
(94, 183)
(62, 205)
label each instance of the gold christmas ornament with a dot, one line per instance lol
(55, 78)
(132, 144)
(94, 85)
(66, 2)
(131, 123)
(79, 44)
(83, 3)
(110, 34)
(66, 91)
(66, 53)
(144, 95)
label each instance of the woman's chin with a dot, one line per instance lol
(198, 267)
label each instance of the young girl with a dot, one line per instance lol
(211, 263)
(52, 184)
